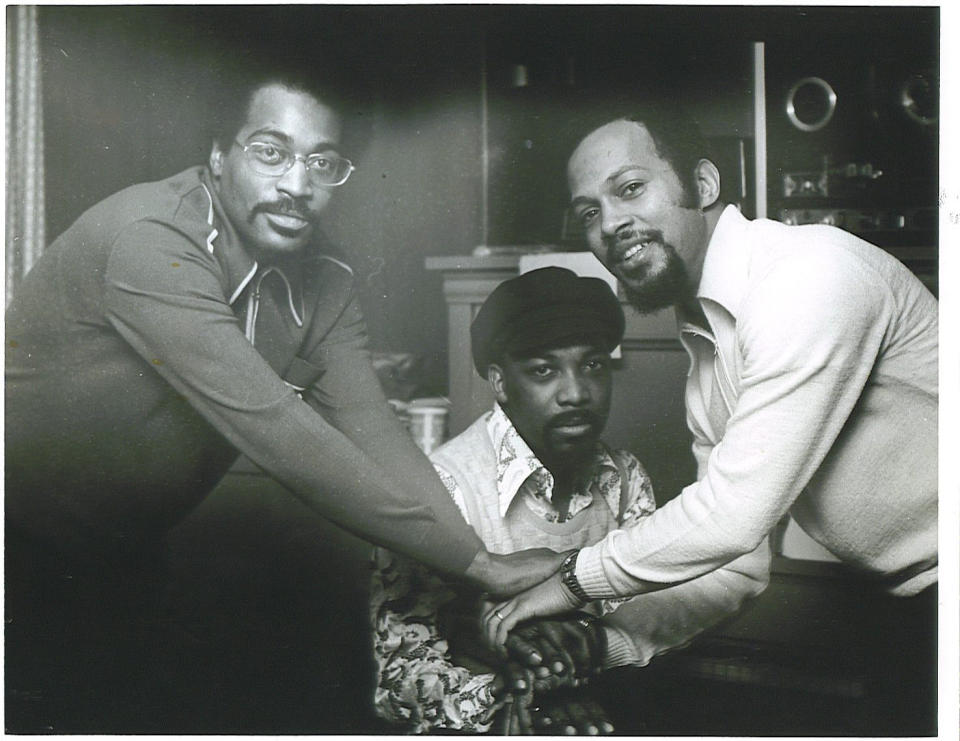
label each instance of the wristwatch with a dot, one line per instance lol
(568, 576)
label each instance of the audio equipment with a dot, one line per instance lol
(852, 130)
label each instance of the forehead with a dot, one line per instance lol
(572, 352)
(293, 115)
(609, 149)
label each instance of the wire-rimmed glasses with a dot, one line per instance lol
(274, 160)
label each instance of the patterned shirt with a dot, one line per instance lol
(418, 683)
(519, 471)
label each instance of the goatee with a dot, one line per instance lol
(666, 288)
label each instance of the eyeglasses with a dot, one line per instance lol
(275, 161)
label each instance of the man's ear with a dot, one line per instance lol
(497, 383)
(708, 183)
(216, 159)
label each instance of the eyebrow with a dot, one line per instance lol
(611, 177)
(580, 200)
(285, 138)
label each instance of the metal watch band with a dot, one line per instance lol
(568, 576)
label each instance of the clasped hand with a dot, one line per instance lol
(536, 669)
(561, 714)
(547, 662)
(549, 597)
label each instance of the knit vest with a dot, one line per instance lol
(472, 461)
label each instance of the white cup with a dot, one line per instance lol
(428, 422)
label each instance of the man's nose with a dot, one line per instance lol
(574, 390)
(295, 182)
(613, 217)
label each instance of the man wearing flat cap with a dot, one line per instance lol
(533, 472)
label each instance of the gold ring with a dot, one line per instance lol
(497, 613)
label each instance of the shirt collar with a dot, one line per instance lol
(224, 244)
(724, 276)
(517, 463)
(726, 264)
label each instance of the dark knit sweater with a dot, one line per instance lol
(132, 384)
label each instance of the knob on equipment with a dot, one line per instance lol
(919, 98)
(811, 103)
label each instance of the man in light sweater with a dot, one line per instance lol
(533, 473)
(812, 388)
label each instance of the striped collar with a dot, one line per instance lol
(241, 269)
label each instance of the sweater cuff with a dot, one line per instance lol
(620, 651)
(590, 574)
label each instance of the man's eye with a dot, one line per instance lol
(633, 188)
(540, 371)
(588, 216)
(595, 364)
(268, 153)
(322, 164)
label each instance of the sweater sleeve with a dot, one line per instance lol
(167, 303)
(809, 333)
(349, 395)
(648, 625)
(642, 627)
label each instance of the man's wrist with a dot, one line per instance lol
(568, 578)
(480, 569)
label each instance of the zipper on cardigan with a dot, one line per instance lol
(723, 378)
(719, 366)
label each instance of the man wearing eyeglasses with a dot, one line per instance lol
(174, 326)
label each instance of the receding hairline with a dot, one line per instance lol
(575, 198)
(621, 119)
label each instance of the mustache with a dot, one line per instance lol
(576, 417)
(284, 207)
(623, 239)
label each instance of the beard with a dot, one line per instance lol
(666, 288)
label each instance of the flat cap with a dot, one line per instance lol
(544, 308)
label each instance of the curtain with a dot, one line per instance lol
(24, 156)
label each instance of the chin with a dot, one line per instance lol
(576, 449)
(656, 292)
(267, 247)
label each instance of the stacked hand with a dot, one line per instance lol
(568, 716)
(557, 714)
(563, 652)
(538, 669)
(535, 670)
(549, 597)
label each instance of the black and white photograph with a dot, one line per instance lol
(505, 369)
